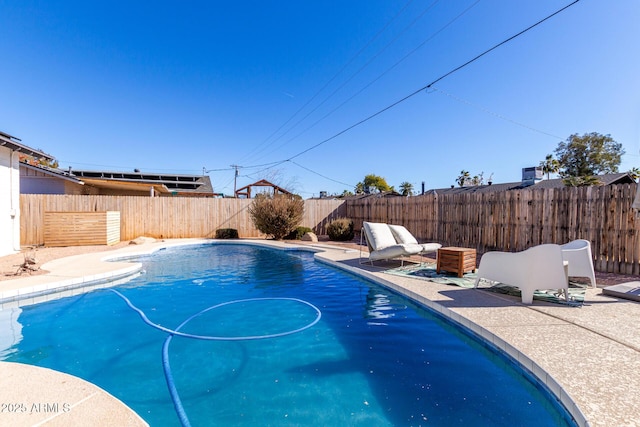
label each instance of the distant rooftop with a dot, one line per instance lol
(606, 179)
(170, 183)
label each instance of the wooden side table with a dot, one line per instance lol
(456, 260)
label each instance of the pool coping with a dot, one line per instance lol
(499, 320)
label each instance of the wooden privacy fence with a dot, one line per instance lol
(507, 221)
(163, 217)
(518, 219)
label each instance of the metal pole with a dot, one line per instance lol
(235, 180)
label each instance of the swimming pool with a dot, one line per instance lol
(373, 358)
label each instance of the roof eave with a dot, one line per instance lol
(12, 143)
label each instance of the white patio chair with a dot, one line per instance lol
(578, 254)
(539, 267)
(382, 244)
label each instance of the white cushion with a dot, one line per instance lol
(395, 251)
(380, 235)
(402, 235)
(430, 247)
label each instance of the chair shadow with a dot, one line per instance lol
(459, 296)
(476, 298)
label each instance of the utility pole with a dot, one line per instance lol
(235, 179)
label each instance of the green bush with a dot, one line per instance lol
(276, 216)
(298, 233)
(226, 233)
(340, 230)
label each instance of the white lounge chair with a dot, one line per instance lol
(383, 245)
(402, 235)
(578, 254)
(539, 267)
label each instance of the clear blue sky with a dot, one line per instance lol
(169, 86)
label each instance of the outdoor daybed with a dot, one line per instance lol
(392, 241)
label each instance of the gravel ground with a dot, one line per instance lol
(9, 264)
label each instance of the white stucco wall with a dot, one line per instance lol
(9, 202)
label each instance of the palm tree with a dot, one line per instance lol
(634, 172)
(406, 189)
(550, 165)
(464, 178)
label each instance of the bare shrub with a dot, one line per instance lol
(226, 233)
(340, 230)
(276, 216)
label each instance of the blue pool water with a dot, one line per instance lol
(373, 359)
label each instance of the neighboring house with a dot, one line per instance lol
(147, 183)
(530, 181)
(37, 179)
(10, 150)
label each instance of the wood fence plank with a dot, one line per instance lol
(510, 221)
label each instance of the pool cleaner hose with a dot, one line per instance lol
(175, 397)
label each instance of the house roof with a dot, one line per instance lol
(58, 173)
(144, 181)
(376, 195)
(137, 181)
(15, 144)
(606, 179)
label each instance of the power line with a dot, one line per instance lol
(357, 72)
(232, 167)
(319, 174)
(427, 86)
(383, 73)
(415, 92)
(274, 164)
(413, 22)
(500, 44)
(500, 116)
(335, 76)
(205, 170)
